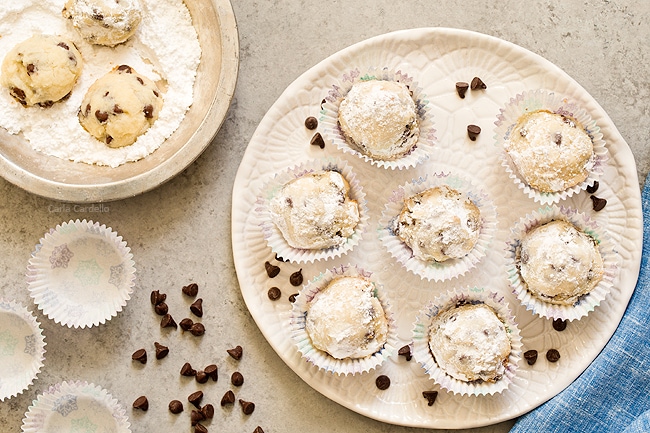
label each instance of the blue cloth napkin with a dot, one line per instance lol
(613, 393)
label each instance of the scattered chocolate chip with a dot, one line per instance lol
(311, 123)
(109, 139)
(197, 307)
(141, 81)
(201, 376)
(208, 411)
(148, 111)
(168, 321)
(175, 406)
(405, 351)
(553, 355)
(63, 45)
(195, 398)
(140, 355)
(292, 298)
(212, 371)
(559, 324)
(101, 116)
(161, 351)
(30, 69)
(473, 131)
(196, 416)
(187, 370)
(271, 270)
(237, 379)
(247, 406)
(186, 324)
(430, 396)
(593, 188)
(19, 94)
(274, 293)
(156, 296)
(530, 356)
(598, 203)
(296, 278)
(161, 309)
(382, 382)
(258, 429)
(317, 140)
(197, 329)
(200, 428)
(191, 289)
(228, 398)
(461, 89)
(477, 83)
(141, 403)
(236, 352)
(117, 109)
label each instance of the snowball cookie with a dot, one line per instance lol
(41, 70)
(104, 22)
(120, 106)
(559, 263)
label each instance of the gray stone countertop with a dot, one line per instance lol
(180, 232)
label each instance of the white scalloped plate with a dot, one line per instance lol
(437, 58)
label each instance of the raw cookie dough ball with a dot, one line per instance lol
(104, 22)
(41, 70)
(120, 106)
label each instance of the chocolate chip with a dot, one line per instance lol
(292, 297)
(140, 355)
(161, 309)
(208, 411)
(124, 68)
(161, 351)
(201, 376)
(175, 406)
(156, 296)
(258, 429)
(197, 307)
(212, 371)
(247, 406)
(186, 324)
(237, 379)
(197, 329)
(63, 45)
(473, 131)
(405, 351)
(168, 321)
(140, 80)
(228, 398)
(598, 203)
(196, 416)
(461, 89)
(200, 428)
(141, 403)
(311, 123)
(109, 139)
(117, 109)
(530, 356)
(430, 396)
(101, 116)
(97, 16)
(317, 140)
(187, 370)
(274, 293)
(191, 289)
(271, 270)
(382, 382)
(236, 352)
(148, 111)
(559, 324)
(195, 398)
(553, 355)
(296, 278)
(18, 94)
(593, 188)
(30, 69)
(477, 83)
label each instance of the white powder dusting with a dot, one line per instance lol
(165, 48)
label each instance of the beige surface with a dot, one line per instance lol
(180, 232)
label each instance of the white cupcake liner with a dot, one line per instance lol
(272, 233)
(22, 349)
(586, 303)
(530, 101)
(422, 352)
(321, 359)
(75, 407)
(81, 274)
(330, 111)
(431, 270)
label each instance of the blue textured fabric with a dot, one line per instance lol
(613, 393)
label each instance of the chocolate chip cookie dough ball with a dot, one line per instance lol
(41, 70)
(120, 106)
(104, 22)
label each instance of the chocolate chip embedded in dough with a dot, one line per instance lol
(63, 45)
(125, 68)
(31, 68)
(461, 89)
(477, 84)
(101, 116)
(430, 396)
(148, 111)
(141, 403)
